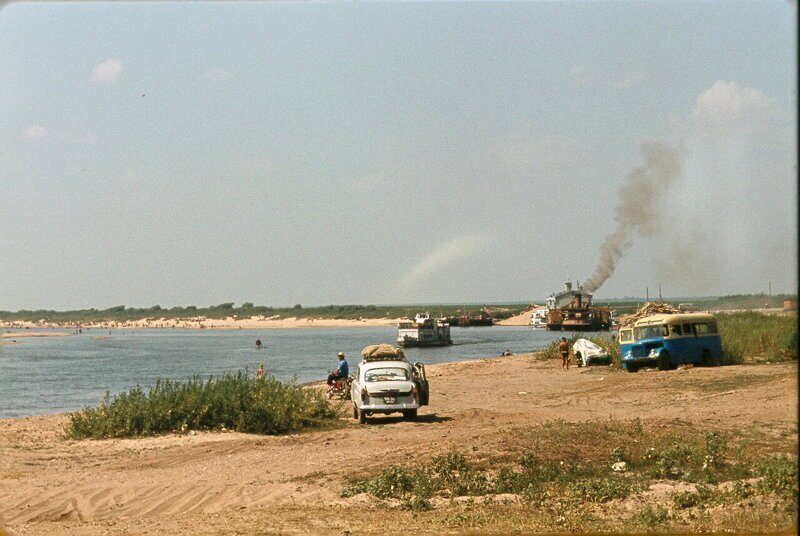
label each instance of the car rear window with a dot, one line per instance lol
(385, 374)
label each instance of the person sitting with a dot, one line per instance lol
(341, 371)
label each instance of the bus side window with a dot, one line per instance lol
(687, 329)
(712, 328)
(676, 329)
(701, 329)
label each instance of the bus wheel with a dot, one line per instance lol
(705, 359)
(630, 367)
(663, 361)
(716, 361)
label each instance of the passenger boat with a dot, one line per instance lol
(423, 331)
(539, 318)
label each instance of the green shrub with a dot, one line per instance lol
(779, 476)
(600, 490)
(233, 401)
(651, 517)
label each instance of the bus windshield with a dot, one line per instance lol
(650, 332)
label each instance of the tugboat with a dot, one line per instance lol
(572, 310)
(423, 331)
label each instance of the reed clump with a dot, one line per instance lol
(232, 401)
(751, 337)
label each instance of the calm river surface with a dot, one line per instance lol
(40, 375)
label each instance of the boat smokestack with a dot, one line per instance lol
(568, 286)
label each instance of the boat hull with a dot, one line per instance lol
(407, 343)
(577, 327)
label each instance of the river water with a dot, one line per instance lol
(41, 375)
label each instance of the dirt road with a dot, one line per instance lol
(230, 482)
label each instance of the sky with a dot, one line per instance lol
(356, 152)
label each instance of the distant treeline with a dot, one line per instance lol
(120, 313)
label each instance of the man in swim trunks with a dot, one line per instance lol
(563, 348)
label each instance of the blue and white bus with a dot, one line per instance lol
(667, 340)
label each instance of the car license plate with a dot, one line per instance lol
(389, 399)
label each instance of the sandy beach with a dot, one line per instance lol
(215, 482)
(27, 334)
(255, 322)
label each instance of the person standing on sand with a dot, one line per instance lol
(563, 347)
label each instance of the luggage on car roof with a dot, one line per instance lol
(382, 352)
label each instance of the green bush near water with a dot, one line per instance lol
(233, 401)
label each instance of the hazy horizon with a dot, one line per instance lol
(540, 301)
(381, 153)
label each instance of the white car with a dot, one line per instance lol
(586, 351)
(387, 387)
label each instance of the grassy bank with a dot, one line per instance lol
(233, 401)
(562, 478)
(747, 337)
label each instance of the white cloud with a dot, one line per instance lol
(451, 251)
(34, 133)
(727, 101)
(107, 71)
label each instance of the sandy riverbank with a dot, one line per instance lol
(215, 323)
(11, 338)
(230, 482)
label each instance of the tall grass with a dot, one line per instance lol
(749, 337)
(233, 401)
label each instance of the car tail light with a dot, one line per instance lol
(414, 391)
(364, 394)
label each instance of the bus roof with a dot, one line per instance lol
(675, 318)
